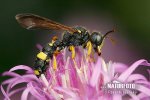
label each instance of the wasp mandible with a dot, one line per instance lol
(73, 36)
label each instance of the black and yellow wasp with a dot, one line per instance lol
(77, 36)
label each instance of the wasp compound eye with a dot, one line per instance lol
(96, 38)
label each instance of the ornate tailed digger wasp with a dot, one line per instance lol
(76, 36)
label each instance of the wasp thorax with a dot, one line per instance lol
(80, 29)
(96, 38)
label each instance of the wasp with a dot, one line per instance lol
(72, 37)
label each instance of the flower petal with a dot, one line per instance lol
(117, 97)
(96, 73)
(135, 77)
(7, 73)
(36, 91)
(9, 81)
(146, 83)
(66, 91)
(30, 70)
(128, 72)
(4, 93)
(25, 78)
(132, 95)
(119, 67)
(15, 91)
(25, 94)
(142, 96)
(143, 89)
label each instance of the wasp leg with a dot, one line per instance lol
(99, 49)
(56, 52)
(89, 47)
(92, 57)
(72, 49)
(54, 62)
(54, 38)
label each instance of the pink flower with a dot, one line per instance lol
(78, 79)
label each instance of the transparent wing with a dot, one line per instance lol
(31, 21)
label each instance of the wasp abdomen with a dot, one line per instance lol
(42, 57)
(39, 65)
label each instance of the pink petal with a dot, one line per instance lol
(135, 77)
(66, 91)
(25, 94)
(30, 76)
(11, 80)
(96, 73)
(10, 74)
(8, 88)
(21, 79)
(4, 93)
(146, 83)
(119, 67)
(143, 89)
(21, 67)
(134, 97)
(128, 72)
(141, 96)
(117, 97)
(15, 91)
(110, 70)
(36, 91)
(18, 81)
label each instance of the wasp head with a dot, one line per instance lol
(96, 39)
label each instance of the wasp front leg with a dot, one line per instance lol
(98, 49)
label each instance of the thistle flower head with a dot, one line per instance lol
(76, 79)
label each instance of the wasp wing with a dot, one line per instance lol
(31, 21)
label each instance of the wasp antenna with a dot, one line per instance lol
(111, 31)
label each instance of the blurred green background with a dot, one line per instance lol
(17, 45)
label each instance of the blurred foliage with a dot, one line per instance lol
(18, 45)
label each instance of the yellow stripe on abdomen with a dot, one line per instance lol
(36, 72)
(42, 56)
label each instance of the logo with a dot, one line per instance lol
(116, 87)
